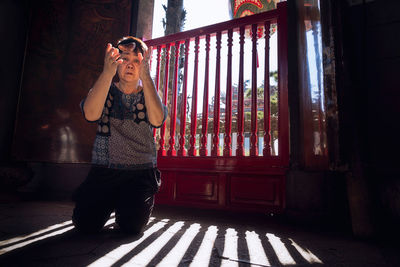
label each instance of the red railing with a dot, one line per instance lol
(175, 70)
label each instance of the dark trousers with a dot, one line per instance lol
(130, 193)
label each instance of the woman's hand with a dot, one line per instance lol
(111, 60)
(144, 69)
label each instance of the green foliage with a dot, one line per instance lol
(274, 75)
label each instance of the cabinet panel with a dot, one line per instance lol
(259, 190)
(201, 187)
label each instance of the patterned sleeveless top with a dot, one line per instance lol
(124, 138)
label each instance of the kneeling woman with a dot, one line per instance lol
(124, 176)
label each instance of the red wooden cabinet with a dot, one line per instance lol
(232, 149)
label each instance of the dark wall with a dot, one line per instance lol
(371, 49)
(369, 103)
(54, 52)
(365, 175)
(14, 18)
(314, 193)
(64, 56)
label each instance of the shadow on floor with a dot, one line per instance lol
(41, 234)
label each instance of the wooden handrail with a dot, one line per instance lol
(222, 27)
(194, 143)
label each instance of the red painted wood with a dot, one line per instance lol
(240, 116)
(253, 136)
(193, 123)
(254, 192)
(215, 145)
(267, 105)
(172, 127)
(161, 150)
(219, 27)
(167, 188)
(157, 77)
(204, 127)
(228, 108)
(245, 183)
(197, 186)
(182, 150)
(268, 165)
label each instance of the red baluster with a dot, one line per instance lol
(157, 79)
(253, 136)
(228, 105)
(161, 150)
(172, 127)
(204, 127)
(193, 124)
(215, 147)
(182, 150)
(240, 116)
(267, 113)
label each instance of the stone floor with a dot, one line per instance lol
(41, 234)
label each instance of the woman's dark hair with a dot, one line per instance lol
(140, 45)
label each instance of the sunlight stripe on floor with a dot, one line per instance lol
(176, 254)
(51, 234)
(23, 237)
(146, 255)
(203, 255)
(111, 220)
(305, 253)
(113, 256)
(280, 250)
(30, 241)
(256, 250)
(230, 254)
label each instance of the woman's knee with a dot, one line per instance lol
(131, 225)
(133, 219)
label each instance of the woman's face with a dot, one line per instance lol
(128, 70)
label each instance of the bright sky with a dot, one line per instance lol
(199, 13)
